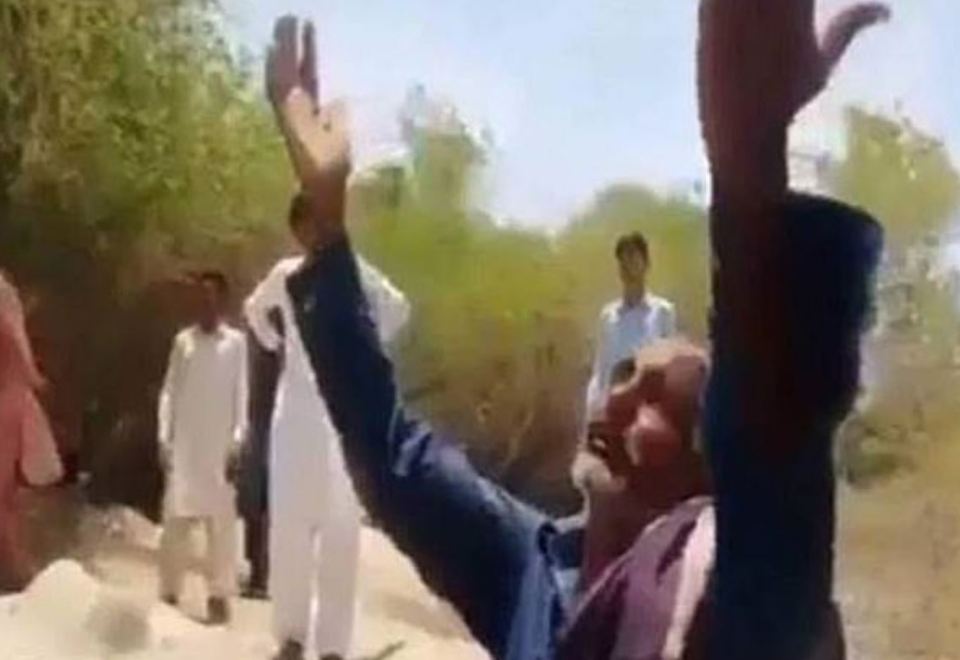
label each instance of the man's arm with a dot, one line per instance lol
(599, 375)
(759, 64)
(241, 394)
(791, 284)
(166, 409)
(261, 303)
(468, 538)
(668, 321)
(588, 471)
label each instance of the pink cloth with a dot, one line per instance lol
(27, 446)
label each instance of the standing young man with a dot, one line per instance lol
(314, 511)
(202, 414)
(630, 322)
(634, 320)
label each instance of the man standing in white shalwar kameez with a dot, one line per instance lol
(202, 418)
(315, 515)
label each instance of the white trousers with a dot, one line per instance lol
(219, 564)
(313, 579)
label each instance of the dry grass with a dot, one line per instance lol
(898, 562)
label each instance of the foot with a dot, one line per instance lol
(218, 611)
(290, 650)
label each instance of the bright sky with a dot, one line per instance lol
(579, 94)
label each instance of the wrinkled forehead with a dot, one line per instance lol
(671, 355)
(672, 371)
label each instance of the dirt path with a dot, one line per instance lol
(898, 582)
(397, 617)
(898, 564)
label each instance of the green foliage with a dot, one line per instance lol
(504, 322)
(900, 175)
(133, 144)
(906, 179)
(677, 232)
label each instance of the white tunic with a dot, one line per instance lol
(307, 468)
(203, 407)
(314, 510)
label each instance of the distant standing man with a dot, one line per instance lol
(630, 322)
(202, 414)
(634, 320)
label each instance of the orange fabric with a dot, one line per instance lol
(25, 436)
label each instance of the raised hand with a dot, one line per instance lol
(316, 134)
(760, 62)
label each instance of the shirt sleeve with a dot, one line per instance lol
(268, 295)
(600, 374)
(469, 539)
(770, 417)
(166, 414)
(668, 321)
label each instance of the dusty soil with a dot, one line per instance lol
(899, 566)
(898, 583)
(397, 618)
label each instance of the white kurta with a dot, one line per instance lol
(203, 407)
(315, 514)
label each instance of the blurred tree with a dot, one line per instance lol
(907, 180)
(505, 316)
(133, 143)
(901, 175)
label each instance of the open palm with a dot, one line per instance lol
(761, 61)
(316, 134)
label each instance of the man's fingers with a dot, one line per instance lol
(309, 79)
(269, 77)
(283, 60)
(285, 40)
(845, 27)
(281, 63)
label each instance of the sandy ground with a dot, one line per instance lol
(899, 564)
(68, 612)
(898, 584)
